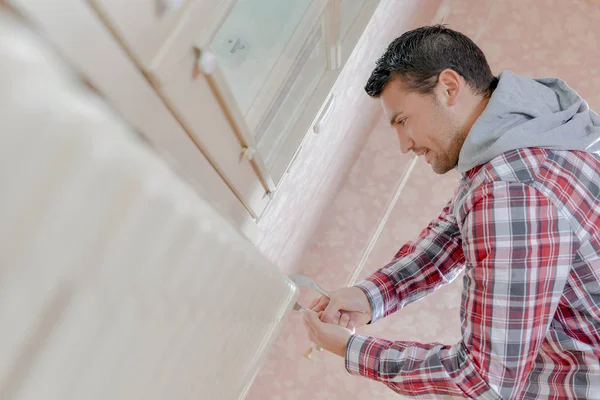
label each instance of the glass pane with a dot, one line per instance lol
(273, 54)
(251, 41)
(304, 78)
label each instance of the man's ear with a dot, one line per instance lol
(450, 85)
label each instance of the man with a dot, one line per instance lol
(523, 225)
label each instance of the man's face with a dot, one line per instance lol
(425, 124)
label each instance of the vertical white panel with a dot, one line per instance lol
(116, 280)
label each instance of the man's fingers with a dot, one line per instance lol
(321, 304)
(344, 320)
(331, 314)
(311, 319)
(314, 302)
(310, 331)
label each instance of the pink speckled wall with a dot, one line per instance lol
(549, 38)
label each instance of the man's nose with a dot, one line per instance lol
(406, 144)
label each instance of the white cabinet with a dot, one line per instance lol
(192, 101)
(143, 25)
(118, 281)
(278, 61)
(244, 79)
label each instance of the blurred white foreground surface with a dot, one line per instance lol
(117, 281)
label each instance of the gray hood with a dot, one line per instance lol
(525, 112)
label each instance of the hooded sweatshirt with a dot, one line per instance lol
(525, 230)
(524, 112)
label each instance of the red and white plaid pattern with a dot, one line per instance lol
(525, 228)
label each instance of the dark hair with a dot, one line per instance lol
(418, 57)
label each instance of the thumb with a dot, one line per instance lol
(331, 312)
(312, 319)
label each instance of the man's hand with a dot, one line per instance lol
(348, 307)
(331, 337)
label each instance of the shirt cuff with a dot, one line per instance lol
(363, 354)
(375, 297)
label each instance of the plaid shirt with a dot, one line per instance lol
(525, 229)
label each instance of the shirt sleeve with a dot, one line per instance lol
(519, 251)
(419, 267)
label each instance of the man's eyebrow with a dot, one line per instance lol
(393, 119)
